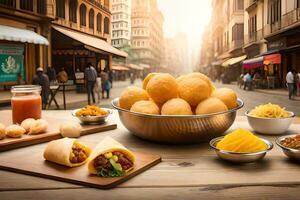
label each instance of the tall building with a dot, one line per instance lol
(64, 33)
(147, 33)
(270, 38)
(121, 22)
(176, 54)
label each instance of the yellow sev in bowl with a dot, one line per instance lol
(242, 141)
(269, 111)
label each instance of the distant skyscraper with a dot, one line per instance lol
(147, 33)
(121, 22)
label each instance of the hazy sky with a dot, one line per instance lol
(188, 16)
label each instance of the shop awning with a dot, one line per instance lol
(272, 59)
(136, 67)
(91, 42)
(144, 66)
(119, 68)
(21, 35)
(253, 63)
(233, 61)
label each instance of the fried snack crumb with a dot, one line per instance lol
(91, 110)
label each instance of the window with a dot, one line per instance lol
(106, 25)
(41, 7)
(60, 9)
(73, 10)
(238, 32)
(82, 10)
(99, 22)
(91, 19)
(8, 3)
(252, 28)
(26, 5)
(274, 11)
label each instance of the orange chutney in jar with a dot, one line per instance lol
(26, 103)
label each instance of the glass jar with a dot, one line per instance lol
(26, 102)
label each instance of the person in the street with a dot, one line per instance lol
(90, 75)
(110, 77)
(298, 84)
(247, 81)
(42, 79)
(51, 75)
(98, 88)
(241, 80)
(131, 77)
(104, 79)
(62, 76)
(290, 81)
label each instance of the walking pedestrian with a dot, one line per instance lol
(247, 81)
(42, 79)
(98, 88)
(104, 79)
(290, 82)
(51, 75)
(90, 75)
(111, 77)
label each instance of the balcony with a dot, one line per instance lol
(254, 37)
(287, 21)
(252, 4)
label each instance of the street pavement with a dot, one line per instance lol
(251, 98)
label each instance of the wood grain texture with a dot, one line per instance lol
(186, 172)
(52, 132)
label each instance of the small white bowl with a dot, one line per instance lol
(272, 126)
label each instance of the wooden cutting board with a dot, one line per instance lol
(51, 134)
(30, 161)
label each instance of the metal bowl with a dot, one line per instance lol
(270, 125)
(291, 153)
(177, 129)
(93, 119)
(240, 157)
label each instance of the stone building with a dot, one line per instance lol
(67, 34)
(147, 33)
(121, 22)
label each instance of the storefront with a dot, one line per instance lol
(73, 50)
(232, 68)
(266, 70)
(18, 55)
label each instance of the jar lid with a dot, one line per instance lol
(25, 88)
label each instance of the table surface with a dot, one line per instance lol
(186, 172)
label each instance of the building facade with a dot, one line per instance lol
(270, 40)
(76, 32)
(33, 17)
(121, 22)
(147, 33)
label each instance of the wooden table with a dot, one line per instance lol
(186, 172)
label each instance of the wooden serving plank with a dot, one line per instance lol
(31, 161)
(51, 134)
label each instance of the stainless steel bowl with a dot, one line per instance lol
(92, 119)
(240, 157)
(270, 125)
(177, 129)
(291, 153)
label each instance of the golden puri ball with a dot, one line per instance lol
(147, 79)
(193, 90)
(210, 105)
(162, 87)
(176, 106)
(228, 96)
(200, 76)
(131, 95)
(147, 107)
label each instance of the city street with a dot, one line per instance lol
(251, 98)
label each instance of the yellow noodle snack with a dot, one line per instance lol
(269, 111)
(242, 141)
(91, 110)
